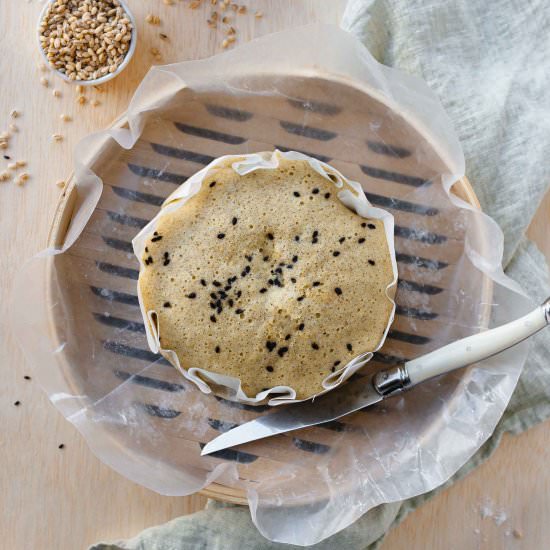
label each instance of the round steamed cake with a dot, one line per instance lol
(268, 278)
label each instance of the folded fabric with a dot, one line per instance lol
(487, 62)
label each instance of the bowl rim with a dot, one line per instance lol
(102, 79)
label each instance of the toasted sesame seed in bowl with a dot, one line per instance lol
(87, 41)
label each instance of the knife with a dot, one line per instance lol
(386, 383)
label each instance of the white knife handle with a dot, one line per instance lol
(477, 347)
(462, 353)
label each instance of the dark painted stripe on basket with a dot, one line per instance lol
(137, 196)
(117, 322)
(231, 454)
(231, 114)
(413, 313)
(118, 271)
(388, 150)
(315, 106)
(418, 261)
(397, 177)
(118, 244)
(134, 353)
(209, 134)
(182, 154)
(221, 425)
(322, 158)
(130, 221)
(411, 286)
(415, 339)
(148, 382)
(404, 206)
(307, 131)
(160, 175)
(388, 359)
(310, 446)
(160, 412)
(334, 425)
(242, 406)
(115, 296)
(419, 235)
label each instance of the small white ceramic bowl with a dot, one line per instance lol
(101, 79)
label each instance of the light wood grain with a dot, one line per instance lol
(66, 499)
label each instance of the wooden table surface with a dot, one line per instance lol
(65, 499)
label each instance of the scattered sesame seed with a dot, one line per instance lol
(338, 290)
(166, 261)
(349, 347)
(270, 236)
(234, 221)
(230, 302)
(81, 99)
(282, 351)
(361, 240)
(212, 184)
(327, 195)
(336, 363)
(372, 262)
(7, 157)
(167, 304)
(269, 369)
(296, 194)
(56, 93)
(341, 239)
(315, 191)
(248, 257)
(293, 280)
(315, 345)
(14, 113)
(95, 103)
(221, 235)
(263, 290)
(266, 258)
(65, 118)
(297, 238)
(239, 311)
(213, 318)
(371, 226)
(192, 295)
(364, 224)
(163, 36)
(57, 137)
(316, 283)
(336, 253)
(156, 238)
(217, 349)
(216, 283)
(258, 15)
(203, 282)
(27, 377)
(294, 259)
(44, 81)
(301, 326)
(61, 446)
(17, 403)
(270, 345)
(287, 337)
(300, 298)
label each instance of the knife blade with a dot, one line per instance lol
(350, 398)
(326, 408)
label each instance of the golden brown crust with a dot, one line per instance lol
(268, 278)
